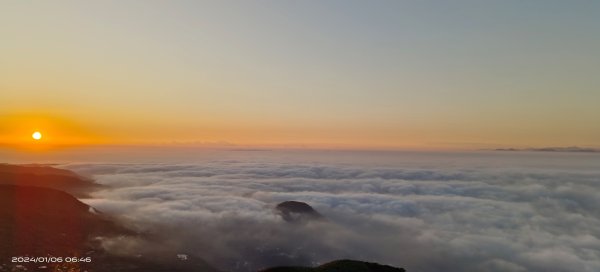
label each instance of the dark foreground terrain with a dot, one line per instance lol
(40, 221)
(340, 266)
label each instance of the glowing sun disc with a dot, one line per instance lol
(36, 135)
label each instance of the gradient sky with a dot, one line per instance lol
(369, 74)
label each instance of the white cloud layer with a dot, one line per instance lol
(459, 214)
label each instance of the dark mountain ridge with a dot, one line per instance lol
(339, 266)
(46, 176)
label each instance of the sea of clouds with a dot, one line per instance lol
(424, 212)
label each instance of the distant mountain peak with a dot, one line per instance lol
(553, 149)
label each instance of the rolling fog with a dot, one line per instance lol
(476, 211)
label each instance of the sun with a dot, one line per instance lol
(36, 136)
